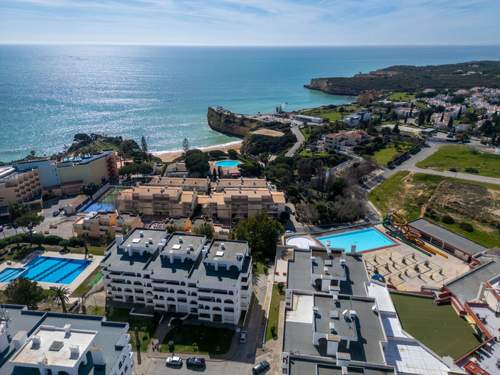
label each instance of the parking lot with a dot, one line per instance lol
(156, 366)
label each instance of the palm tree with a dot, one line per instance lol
(62, 294)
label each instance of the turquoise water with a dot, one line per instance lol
(364, 239)
(227, 163)
(49, 93)
(47, 269)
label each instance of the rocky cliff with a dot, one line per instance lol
(230, 123)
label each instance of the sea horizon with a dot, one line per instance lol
(48, 93)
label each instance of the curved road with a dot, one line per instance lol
(300, 141)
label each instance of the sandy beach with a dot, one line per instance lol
(169, 156)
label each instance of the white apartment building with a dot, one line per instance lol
(181, 273)
(37, 342)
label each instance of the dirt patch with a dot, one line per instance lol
(467, 201)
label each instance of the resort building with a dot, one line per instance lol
(338, 321)
(442, 238)
(157, 201)
(77, 172)
(180, 273)
(99, 225)
(235, 204)
(224, 201)
(68, 176)
(38, 342)
(200, 185)
(19, 187)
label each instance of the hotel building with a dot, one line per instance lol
(19, 187)
(181, 273)
(68, 176)
(38, 342)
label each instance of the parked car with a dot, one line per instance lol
(243, 337)
(56, 213)
(196, 363)
(261, 368)
(174, 361)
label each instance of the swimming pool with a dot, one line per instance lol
(47, 269)
(227, 163)
(363, 239)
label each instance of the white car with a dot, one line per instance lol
(174, 361)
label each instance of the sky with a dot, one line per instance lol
(251, 22)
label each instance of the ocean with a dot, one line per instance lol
(49, 93)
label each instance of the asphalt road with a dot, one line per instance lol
(156, 366)
(410, 165)
(300, 140)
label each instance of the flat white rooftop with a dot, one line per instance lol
(302, 309)
(382, 297)
(54, 346)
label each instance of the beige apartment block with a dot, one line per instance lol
(19, 187)
(201, 185)
(157, 201)
(101, 225)
(75, 173)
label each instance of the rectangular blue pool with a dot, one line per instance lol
(364, 239)
(47, 269)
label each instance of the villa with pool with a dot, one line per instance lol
(227, 167)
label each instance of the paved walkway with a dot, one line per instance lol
(300, 140)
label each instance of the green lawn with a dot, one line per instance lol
(331, 114)
(436, 326)
(188, 338)
(400, 96)
(141, 329)
(274, 311)
(463, 157)
(382, 195)
(88, 283)
(387, 154)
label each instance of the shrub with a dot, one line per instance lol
(471, 170)
(467, 227)
(447, 219)
(453, 170)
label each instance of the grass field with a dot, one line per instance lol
(384, 156)
(436, 326)
(331, 114)
(274, 310)
(461, 158)
(400, 96)
(201, 339)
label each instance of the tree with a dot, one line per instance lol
(232, 154)
(90, 189)
(24, 292)
(197, 163)
(144, 145)
(261, 232)
(62, 294)
(204, 229)
(395, 129)
(450, 123)
(185, 145)
(29, 219)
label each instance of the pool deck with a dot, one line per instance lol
(233, 171)
(312, 240)
(95, 261)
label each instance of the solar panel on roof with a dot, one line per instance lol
(56, 346)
